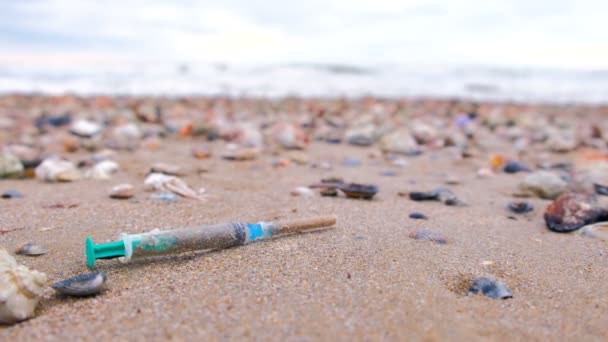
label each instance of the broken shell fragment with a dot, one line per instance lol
(103, 170)
(302, 191)
(363, 191)
(572, 211)
(162, 182)
(168, 169)
(31, 249)
(122, 191)
(428, 235)
(490, 288)
(82, 285)
(20, 289)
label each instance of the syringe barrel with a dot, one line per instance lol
(163, 242)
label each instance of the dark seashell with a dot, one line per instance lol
(31, 249)
(490, 288)
(447, 197)
(429, 236)
(82, 285)
(571, 211)
(515, 167)
(601, 189)
(333, 140)
(332, 180)
(354, 190)
(11, 194)
(520, 207)
(56, 121)
(329, 192)
(418, 216)
(424, 196)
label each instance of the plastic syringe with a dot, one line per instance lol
(217, 236)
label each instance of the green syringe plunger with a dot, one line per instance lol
(218, 236)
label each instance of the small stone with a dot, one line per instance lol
(389, 173)
(302, 191)
(103, 170)
(201, 152)
(544, 184)
(485, 173)
(520, 207)
(360, 191)
(85, 128)
(10, 166)
(164, 196)
(400, 142)
(515, 167)
(572, 211)
(418, 216)
(11, 194)
(241, 154)
(490, 288)
(329, 192)
(452, 180)
(57, 170)
(364, 135)
(428, 235)
(122, 191)
(601, 189)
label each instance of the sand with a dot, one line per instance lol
(365, 279)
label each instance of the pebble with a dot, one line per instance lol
(520, 207)
(364, 135)
(400, 142)
(329, 192)
(10, 166)
(122, 191)
(572, 211)
(164, 196)
(55, 121)
(57, 170)
(544, 184)
(11, 194)
(85, 128)
(490, 288)
(428, 235)
(515, 167)
(103, 170)
(446, 196)
(601, 189)
(418, 216)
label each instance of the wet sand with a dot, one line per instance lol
(365, 279)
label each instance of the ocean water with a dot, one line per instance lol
(313, 80)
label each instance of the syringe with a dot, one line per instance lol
(217, 236)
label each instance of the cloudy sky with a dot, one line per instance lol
(553, 33)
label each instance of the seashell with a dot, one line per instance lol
(10, 166)
(328, 192)
(162, 182)
(164, 196)
(20, 289)
(85, 128)
(173, 170)
(400, 142)
(363, 135)
(490, 288)
(57, 170)
(122, 191)
(31, 249)
(103, 170)
(424, 196)
(572, 211)
(418, 216)
(514, 167)
(11, 194)
(82, 285)
(520, 207)
(289, 136)
(600, 189)
(302, 191)
(363, 191)
(201, 152)
(240, 154)
(429, 236)
(597, 230)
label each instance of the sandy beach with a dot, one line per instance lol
(364, 279)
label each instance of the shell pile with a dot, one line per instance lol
(20, 289)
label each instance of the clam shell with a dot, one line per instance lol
(490, 288)
(31, 249)
(82, 285)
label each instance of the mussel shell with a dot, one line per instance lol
(428, 235)
(82, 285)
(520, 207)
(424, 196)
(601, 189)
(354, 190)
(490, 288)
(571, 211)
(31, 249)
(515, 167)
(418, 216)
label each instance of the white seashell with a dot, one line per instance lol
(85, 128)
(57, 170)
(122, 191)
(103, 170)
(160, 181)
(302, 191)
(20, 289)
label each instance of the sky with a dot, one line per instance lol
(530, 33)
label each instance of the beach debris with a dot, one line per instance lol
(201, 152)
(20, 289)
(31, 249)
(360, 191)
(164, 196)
(8, 194)
(490, 288)
(86, 284)
(162, 182)
(572, 211)
(168, 169)
(428, 235)
(597, 230)
(512, 166)
(302, 191)
(122, 191)
(57, 170)
(289, 136)
(544, 184)
(103, 170)
(443, 195)
(10, 166)
(418, 216)
(520, 207)
(85, 128)
(601, 189)
(216, 236)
